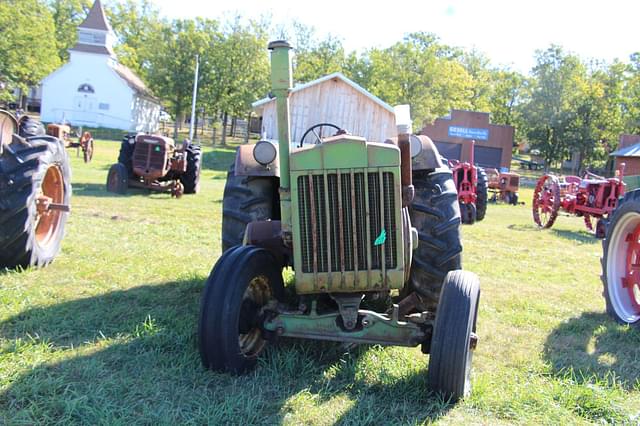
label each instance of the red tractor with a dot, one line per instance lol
(503, 186)
(590, 197)
(471, 183)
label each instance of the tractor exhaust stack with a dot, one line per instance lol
(281, 82)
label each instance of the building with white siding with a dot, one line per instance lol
(93, 89)
(331, 99)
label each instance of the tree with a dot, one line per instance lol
(27, 45)
(67, 15)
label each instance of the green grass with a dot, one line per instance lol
(107, 333)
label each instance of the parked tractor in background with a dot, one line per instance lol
(85, 140)
(155, 163)
(372, 231)
(592, 197)
(503, 186)
(471, 183)
(621, 261)
(35, 193)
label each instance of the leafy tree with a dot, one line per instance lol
(67, 15)
(27, 45)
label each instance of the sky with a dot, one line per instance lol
(507, 32)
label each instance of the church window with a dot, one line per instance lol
(86, 88)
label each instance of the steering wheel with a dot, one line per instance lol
(318, 135)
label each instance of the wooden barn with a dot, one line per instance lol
(331, 99)
(628, 153)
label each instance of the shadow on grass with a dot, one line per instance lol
(583, 237)
(100, 190)
(595, 346)
(131, 355)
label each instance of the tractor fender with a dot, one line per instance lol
(246, 164)
(428, 158)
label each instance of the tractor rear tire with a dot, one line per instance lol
(118, 179)
(453, 341)
(35, 166)
(230, 336)
(621, 251)
(191, 178)
(246, 199)
(482, 195)
(29, 127)
(436, 215)
(125, 156)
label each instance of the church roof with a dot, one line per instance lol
(96, 19)
(133, 80)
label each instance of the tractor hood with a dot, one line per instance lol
(345, 152)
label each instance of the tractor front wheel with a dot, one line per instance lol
(621, 261)
(454, 337)
(242, 283)
(468, 213)
(118, 179)
(546, 201)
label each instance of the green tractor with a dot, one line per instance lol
(372, 231)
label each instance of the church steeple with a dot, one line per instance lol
(95, 34)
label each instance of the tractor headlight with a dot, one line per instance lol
(264, 152)
(416, 146)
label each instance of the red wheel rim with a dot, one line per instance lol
(631, 280)
(546, 201)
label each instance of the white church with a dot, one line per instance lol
(93, 89)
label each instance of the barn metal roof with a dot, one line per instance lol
(338, 75)
(630, 151)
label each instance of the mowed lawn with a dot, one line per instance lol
(107, 333)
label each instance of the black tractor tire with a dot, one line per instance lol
(468, 213)
(243, 280)
(453, 341)
(482, 195)
(191, 178)
(29, 127)
(246, 199)
(514, 198)
(615, 248)
(27, 239)
(125, 156)
(117, 179)
(435, 213)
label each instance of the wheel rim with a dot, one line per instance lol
(546, 201)
(47, 223)
(257, 294)
(623, 268)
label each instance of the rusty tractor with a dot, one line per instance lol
(621, 261)
(590, 197)
(503, 186)
(155, 163)
(35, 193)
(372, 231)
(84, 143)
(471, 183)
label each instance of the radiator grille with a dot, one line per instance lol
(149, 156)
(336, 233)
(514, 181)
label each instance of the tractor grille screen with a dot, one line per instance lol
(149, 156)
(514, 181)
(336, 232)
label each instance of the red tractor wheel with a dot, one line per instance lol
(621, 262)
(546, 201)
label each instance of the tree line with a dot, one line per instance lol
(565, 104)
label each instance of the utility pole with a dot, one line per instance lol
(193, 100)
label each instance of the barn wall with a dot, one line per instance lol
(332, 101)
(631, 165)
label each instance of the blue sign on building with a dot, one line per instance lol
(468, 133)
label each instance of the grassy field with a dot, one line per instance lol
(107, 333)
